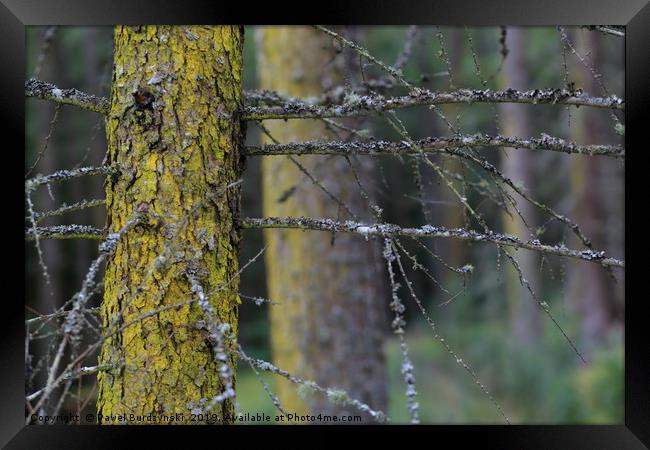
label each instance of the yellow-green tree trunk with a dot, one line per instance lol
(179, 156)
(329, 324)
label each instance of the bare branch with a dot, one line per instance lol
(431, 145)
(72, 324)
(305, 172)
(398, 324)
(287, 108)
(55, 315)
(392, 254)
(65, 232)
(337, 395)
(386, 230)
(369, 104)
(566, 42)
(294, 108)
(40, 155)
(32, 220)
(85, 370)
(405, 54)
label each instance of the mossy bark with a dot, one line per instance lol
(330, 321)
(178, 149)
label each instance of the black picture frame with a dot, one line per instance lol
(15, 15)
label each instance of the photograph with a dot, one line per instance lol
(311, 224)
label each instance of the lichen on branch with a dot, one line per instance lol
(387, 230)
(439, 145)
(48, 91)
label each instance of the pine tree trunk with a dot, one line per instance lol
(329, 323)
(179, 156)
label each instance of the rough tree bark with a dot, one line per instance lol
(517, 165)
(177, 143)
(329, 323)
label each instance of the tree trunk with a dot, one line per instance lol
(453, 251)
(179, 157)
(589, 286)
(329, 323)
(516, 164)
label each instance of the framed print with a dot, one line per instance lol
(411, 217)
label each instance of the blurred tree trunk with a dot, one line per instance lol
(328, 325)
(517, 164)
(45, 297)
(454, 250)
(53, 294)
(178, 160)
(590, 287)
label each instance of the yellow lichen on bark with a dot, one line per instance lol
(177, 143)
(327, 325)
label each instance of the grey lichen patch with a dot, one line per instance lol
(338, 396)
(306, 389)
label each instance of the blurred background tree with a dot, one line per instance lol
(330, 322)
